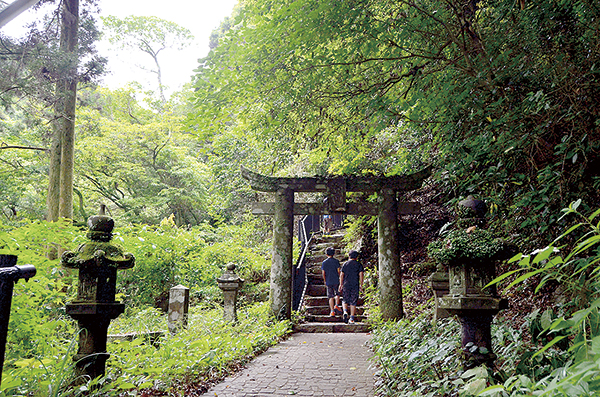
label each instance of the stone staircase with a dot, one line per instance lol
(316, 304)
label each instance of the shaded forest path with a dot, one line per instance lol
(306, 364)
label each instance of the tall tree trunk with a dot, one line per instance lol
(54, 176)
(60, 188)
(60, 178)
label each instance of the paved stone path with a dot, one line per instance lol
(306, 364)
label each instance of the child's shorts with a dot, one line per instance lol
(333, 290)
(350, 296)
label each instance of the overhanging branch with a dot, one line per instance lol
(5, 146)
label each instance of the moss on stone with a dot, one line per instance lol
(463, 245)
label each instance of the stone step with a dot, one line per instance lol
(332, 327)
(324, 310)
(336, 236)
(315, 279)
(310, 301)
(316, 290)
(314, 270)
(331, 319)
(315, 258)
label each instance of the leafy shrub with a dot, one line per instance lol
(577, 374)
(209, 348)
(415, 357)
(167, 255)
(37, 319)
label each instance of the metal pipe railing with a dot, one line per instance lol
(305, 238)
(9, 275)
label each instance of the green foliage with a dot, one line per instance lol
(209, 347)
(206, 350)
(38, 358)
(39, 331)
(420, 359)
(575, 272)
(462, 245)
(579, 328)
(500, 97)
(167, 255)
(146, 168)
(416, 357)
(150, 35)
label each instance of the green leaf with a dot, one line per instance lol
(495, 390)
(503, 276)
(126, 386)
(543, 255)
(549, 345)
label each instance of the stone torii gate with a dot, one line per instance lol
(387, 209)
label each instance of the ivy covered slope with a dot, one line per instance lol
(500, 96)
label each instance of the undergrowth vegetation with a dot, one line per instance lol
(43, 339)
(555, 352)
(205, 351)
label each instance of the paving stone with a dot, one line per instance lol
(306, 364)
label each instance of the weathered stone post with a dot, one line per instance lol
(230, 283)
(179, 304)
(98, 262)
(470, 255)
(390, 273)
(282, 266)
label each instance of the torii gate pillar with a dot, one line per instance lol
(281, 266)
(390, 275)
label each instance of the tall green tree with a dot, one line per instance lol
(60, 179)
(138, 162)
(150, 35)
(39, 86)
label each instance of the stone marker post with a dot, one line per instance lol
(95, 306)
(179, 304)
(230, 283)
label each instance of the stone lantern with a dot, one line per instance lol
(470, 255)
(230, 283)
(95, 306)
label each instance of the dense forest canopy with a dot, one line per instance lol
(499, 95)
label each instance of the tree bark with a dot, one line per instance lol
(60, 187)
